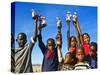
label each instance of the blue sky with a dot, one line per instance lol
(24, 23)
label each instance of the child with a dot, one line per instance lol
(67, 62)
(23, 52)
(92, 57)
(73, 43)
(50, 56)
(81, 63)
(86, 41)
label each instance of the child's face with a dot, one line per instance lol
(92, 51)
(73, 42)
(67, 58)
(50, 45)
(21, 40)
(86, 38)
(80, 55)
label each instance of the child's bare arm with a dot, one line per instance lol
(59, 46)
(34, 37)
(59, 40)
(68, 35)
(60, 57)
(68, 20)
(77, 27)
(79, 33)
(35, 30)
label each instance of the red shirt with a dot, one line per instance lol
(72, 50)
(50, 53)
(86, 48)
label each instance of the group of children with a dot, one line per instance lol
(80, 58)
(82, 54)
(77, 58)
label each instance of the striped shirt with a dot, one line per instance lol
(65, 67)
(81, 66)
(22, 59)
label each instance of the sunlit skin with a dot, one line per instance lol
(68, 59)
(92, 51)
(21, 40)
(80, 55)
(86, 39)
(73, 42)
(50, 45)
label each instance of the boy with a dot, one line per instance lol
(92, 57)
(23, 52)
(67, 62)
(81, 63)
(50, 56)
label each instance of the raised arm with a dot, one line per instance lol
(59, 40)
(68, 35)
(34, 37)
(59, 47)
(68, 18)
(79, 33)
(35, 32)
(41, 44)
(78, 30)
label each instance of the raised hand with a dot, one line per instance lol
(77, 27)
(59, 40)
(59, 23)
(75, 18)
(42, 22)
(34, 14)
(68, 18)
(35, 18)
(59, 46)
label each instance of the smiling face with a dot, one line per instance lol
(21, 39)
(80, 55)
(86, 38)
(73, 42)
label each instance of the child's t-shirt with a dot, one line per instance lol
(72, 50)
(86, 48)
(92, 61)
(65, 67)
(81, 66)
